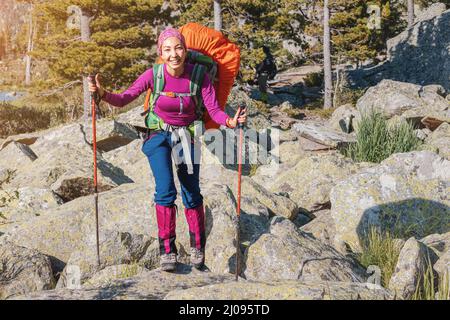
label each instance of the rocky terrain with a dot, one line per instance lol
(419, 55)
(306, 208)
(301, 217)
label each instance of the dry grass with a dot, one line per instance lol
(432, 287)
(379, 249)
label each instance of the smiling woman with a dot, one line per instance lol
(173, 110)
(173, 54)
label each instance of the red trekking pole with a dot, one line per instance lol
(94, 102)
(238, 210)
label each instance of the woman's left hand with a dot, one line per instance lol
(239, 117)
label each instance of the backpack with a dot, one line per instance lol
(210, 52)
(268, 66)
(202, 65)
(271, 68)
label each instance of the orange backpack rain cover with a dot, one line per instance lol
(227, 55)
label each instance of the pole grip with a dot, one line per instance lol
(241, 125)
(94, 95)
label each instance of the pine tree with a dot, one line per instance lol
(217, 15)
(251, 24)
(352, 38)
(327, 57)
(122, 39)
(410, 13)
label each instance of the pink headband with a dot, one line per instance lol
(168, 33)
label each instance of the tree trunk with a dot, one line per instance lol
(29, 49)
(410, 13)
(217, 15)
(328, 102)
(86, 37)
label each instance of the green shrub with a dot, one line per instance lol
(314, 79)
(376, 140)
(348, 96)
(380, 249)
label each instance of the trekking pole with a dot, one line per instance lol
(94, 100)
(238, 210)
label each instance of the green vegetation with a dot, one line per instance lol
(315, 108)
(36, 111)
(253, 168)
(380, 249)
(377, 140)
(432, 287)
(121, 32)
(128, 271)
(314, 79)
(16, 120)
(346, 95)
(352, 40)
(252, 24)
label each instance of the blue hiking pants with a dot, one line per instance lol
(158, 149)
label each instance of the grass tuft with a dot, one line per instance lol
(376, 140)
(432, 287)
(380, 249)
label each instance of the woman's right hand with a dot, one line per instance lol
(97, 86)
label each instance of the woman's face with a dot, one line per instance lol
(173, 53)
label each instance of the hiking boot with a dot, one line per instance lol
(197, 258)
(168, 262)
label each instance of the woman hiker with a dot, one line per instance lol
(158, 145)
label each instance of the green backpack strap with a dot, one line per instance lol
(158, 84)
(152, 121)
(195, 57)
(197, 76)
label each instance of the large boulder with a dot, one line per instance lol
(188, 283)
(60, 231)
(110, 135)
(16, 155)
(321, 227)
(418, 55)
(148, 285)
(410, 268)
(282, 290)
(439, 243)
(434, 10)
(116, 248)
(440, 140)
(344, 119)
(67, 170)
(323, 134)
(309, 182)
(23, 203)
(132, 161)
(442, 267)
(23, 271)
(288, 253)
(403, 99)
(275, 203)
(407, 194)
